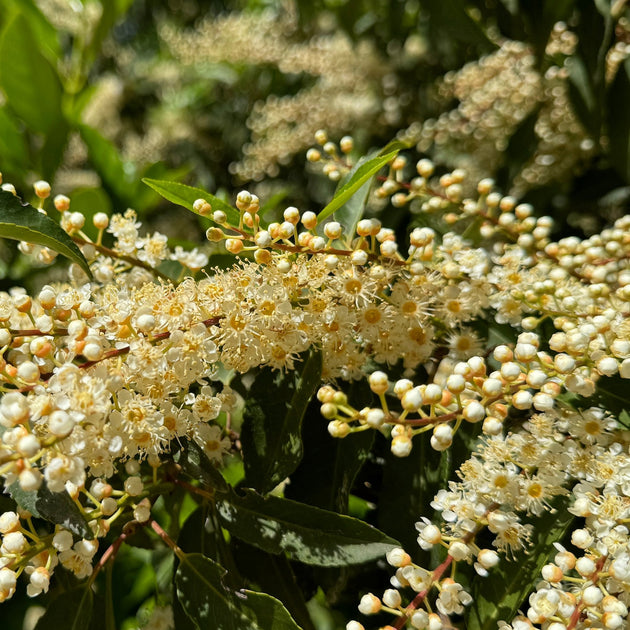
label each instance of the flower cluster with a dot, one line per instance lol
(101, 379)
(494, 96)
(347, 89)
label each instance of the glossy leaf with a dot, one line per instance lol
(195, 463)
(22, 222)
(271, 433)
(32, 87)
(308, 534)
(185, 196)
(500, 595)
(362, 175)
(329, 466)
(56, 507)
(211, 604)
(274, 575)
(72, 610)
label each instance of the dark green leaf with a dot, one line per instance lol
(185, 196)
(195, 463)
(274, 575)
(450, 18)
(56, 507)
(71, 610)
(271, 433)
(618, 118)
(308, 534)
(364, 173)
(417, 477)
(502, 593)
(31, 85)
(612, 393)
(210, 604)
(22, 222)
(329, 466)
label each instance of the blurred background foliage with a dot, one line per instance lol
(96, 94)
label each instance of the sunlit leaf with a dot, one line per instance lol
(186, 196)
(271, 434)
(22, 222)
(365, 172)
(308, 534)
(211, 604)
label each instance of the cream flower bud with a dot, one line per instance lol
(332, 230)
(134, 486)
(488, 558)
(42, 189)
(61, 203)
(370, 604)
(378, 382)
(401, 446)
(30, 479)
(412, 399)
(13, 543)
(592, 595)
(398, 557)
(581, 538)
(338, 429)
(9, 521)
(62, 541)
(585, 566)
(375, 418)
(359, 257)
(100, 221)
(552, 573)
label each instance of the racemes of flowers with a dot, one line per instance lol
(102, 379)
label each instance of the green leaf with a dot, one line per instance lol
(22, 222)
(31, 84)
(308, 534)
(185, 196)
(112, 11)
(612, 394)
(271, 433)
(351, 212)
(618, 117)
(502, 593)
(211, 604)
(196, 464)
(43, 31)
(56, 507)
(364, 173)
(329, 466)
(450, 19)
(71, 610)
(13, 147)
(274, 575)
(117, 176)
